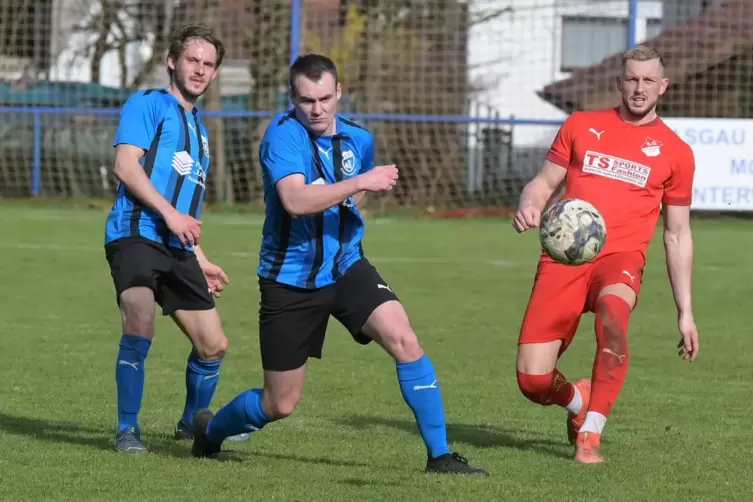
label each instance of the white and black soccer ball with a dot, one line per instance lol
(572, 232)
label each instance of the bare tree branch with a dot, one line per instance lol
(488, 16)
(112, 25)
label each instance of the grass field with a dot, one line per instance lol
(679, 431)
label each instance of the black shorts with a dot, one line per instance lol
(293, 321)
(173, 274)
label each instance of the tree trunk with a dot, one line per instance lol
(101, 46)
(221, 181)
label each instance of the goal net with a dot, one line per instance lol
(464, 96)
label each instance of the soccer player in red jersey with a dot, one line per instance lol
(628, 163)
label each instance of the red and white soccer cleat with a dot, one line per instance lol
(575, 420)
(587, 447)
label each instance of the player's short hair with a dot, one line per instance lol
(641, 53)
(192, 32)
(311, 66)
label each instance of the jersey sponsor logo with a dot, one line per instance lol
(184, 164)
(616, 168)
(198, 177)
(349, 163)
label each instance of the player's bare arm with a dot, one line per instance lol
(200, 256)
(678, 245)
(215, 276)
(359, 199)
(536, 194)
(130, 172)
(300, 199)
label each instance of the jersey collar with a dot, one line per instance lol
(647, 124)
(340, 127)
(195, 110)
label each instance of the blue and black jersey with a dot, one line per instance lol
(176, 160)
(312, 251)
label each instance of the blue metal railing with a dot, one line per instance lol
(296, 20)
(37, 113)
(632, 22)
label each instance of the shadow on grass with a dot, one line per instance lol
(362, 483)
(58, 431)
(481, 436)
(309, 460)
(101, 438)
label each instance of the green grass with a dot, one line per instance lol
(679, 431)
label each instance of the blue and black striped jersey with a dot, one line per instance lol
(176, 160)
(312, 251)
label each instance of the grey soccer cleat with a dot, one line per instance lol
(129, 441)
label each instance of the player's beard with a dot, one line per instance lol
(182, 83)
(639, 113)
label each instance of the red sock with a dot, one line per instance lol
(549, 389)
(611, 362)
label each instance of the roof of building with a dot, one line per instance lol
(688, 49)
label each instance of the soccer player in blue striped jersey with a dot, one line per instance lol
(152, 233)
(317, 167)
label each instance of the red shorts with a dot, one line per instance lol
(561, 293)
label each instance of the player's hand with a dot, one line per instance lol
(526, 218)
(216, 278)
(379, 179)
(689, 344)
(185, 227)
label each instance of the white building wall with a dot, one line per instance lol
(72, 63)
(517, 53)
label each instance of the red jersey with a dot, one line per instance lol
(626, 171)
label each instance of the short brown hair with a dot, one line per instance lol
(311, 66)
(641, 53)
(191, 32)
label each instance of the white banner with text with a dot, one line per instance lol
(723, 150)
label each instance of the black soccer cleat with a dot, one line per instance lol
(185, 432)
(453, 463)
(201, 446)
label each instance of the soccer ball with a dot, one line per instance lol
(572, 232)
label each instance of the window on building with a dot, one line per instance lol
(588, 40)
(653, 28)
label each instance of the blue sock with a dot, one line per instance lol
(243, 414)
(420, 389)
(129, 377)
(201, 381)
